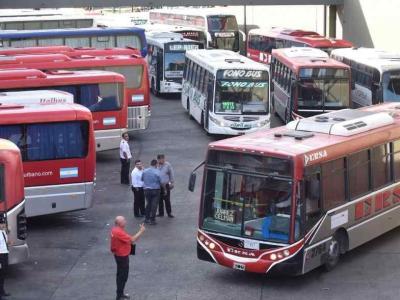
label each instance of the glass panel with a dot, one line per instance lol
(76, 42)
(133, 75)
(23, 43)
(50, 24)
(131, 40)
(334, 195)
(51, 42)
(249, 206)
(174, 63)
(56, 141)
(84, 23)
(14, 134)
(312, 194)
(102, 41)
(380, 166)
(391, 86)
(222, 23)
(239, 92)
(32, 25)
(396, 159)
(359, 174)
(14, 25)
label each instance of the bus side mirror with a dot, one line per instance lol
(192, 181)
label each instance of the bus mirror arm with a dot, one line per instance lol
(192, 178)
(353, 84)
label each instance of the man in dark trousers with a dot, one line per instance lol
(125, 158)
(151, 185)
(3, 254)
(121, 243)
(167, 184)
(137, 188)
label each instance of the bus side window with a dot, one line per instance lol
(206, 76)
(359, 174)
(201, 81)
(334, 178)
(396, 159)
(185, 68)
(312, 196)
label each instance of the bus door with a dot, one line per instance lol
(154, 66)
(160, 68)
(210, 98)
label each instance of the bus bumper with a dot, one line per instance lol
(108, 139)
(170, 87)
(19, 251)
(52, 199)
(227, 130)
(138, 117)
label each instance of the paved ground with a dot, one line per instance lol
(70, 256)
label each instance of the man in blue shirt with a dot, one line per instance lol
(151, 185)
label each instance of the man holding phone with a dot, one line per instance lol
(121, 244)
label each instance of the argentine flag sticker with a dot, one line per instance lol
(68, 172)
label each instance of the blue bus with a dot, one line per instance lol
(96, 37)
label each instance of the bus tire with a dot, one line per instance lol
(337, 246)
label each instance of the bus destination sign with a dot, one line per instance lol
(182, 47)
(242, 74)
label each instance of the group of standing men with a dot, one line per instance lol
(153, 184)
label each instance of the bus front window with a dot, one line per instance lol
(254, 206)
(391, 86)
(221, 23)
(174, 62)
(241, 97)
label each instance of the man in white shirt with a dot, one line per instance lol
(137, 189)
(125, 157)
(3, 254)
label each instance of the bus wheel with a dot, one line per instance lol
(337, 246)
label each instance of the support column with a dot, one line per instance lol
(332, 21)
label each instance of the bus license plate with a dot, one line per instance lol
(238, 266)
(240, 126)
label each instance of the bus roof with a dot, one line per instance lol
(160, 38)
(45, 18)
(216, 59)
(17, 114)
(51, 61)
(310, 38)
(379, 59)
(305, 57)
(19, 78)
(36, 97)
(322, 137)
(67, 50)
(207, 12)
(100, 31)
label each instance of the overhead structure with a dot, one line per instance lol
(116, 3)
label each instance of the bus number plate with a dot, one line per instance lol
(238, 266)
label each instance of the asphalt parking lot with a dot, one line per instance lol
(70, 257)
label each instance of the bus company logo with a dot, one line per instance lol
(240, 252)
(308, 158)
(38, 174)
(53, 100)
(242, 74)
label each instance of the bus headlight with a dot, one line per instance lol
(262, 123)
(272, 256)
(286, 252)
(216, 121)
(138, 98)
(212, 246)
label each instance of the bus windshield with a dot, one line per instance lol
(391, 86)
(173, 64)
(222, 23)
(248, 196)
(241, 95)
(317, 89)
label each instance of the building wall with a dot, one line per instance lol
(372, 23)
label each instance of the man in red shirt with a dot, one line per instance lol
(121, 243)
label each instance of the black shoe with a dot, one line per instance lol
(161, 216)
(124, 297)
(153, 223)
(171, 216)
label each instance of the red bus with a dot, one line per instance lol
(132, 67)
(306, 82)
(100, 91)
(58, 152)
(12, 200)
(261, 42)
(296, 197)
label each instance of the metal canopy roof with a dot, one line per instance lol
(116, 3)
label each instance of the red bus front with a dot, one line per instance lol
(248, 215)
(12, 200)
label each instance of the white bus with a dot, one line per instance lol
(375, 75)
(45, 22)
(226, 92)
(221, 30)
(166, 60)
